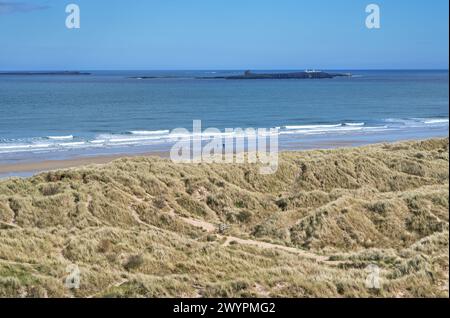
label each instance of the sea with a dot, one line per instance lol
(48, 117)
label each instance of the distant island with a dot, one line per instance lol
(249, 75)
(45, 73)
(293, 75)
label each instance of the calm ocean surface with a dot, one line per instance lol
(56, 117)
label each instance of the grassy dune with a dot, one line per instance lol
(146, 227)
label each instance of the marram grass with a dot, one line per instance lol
(146, 227)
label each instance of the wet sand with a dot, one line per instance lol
(30, 168)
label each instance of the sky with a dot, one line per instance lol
(223, 34)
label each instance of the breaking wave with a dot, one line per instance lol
(154, 137)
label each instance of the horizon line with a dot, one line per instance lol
(223, 69)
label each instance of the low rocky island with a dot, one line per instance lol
(249, 75)
(292, 75)
(70, 73)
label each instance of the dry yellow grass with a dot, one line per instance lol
(145, 227)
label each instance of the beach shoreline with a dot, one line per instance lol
(30, 168)
(33, 167)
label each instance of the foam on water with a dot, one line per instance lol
(69, 137)
(149, 137)
(354, 124)
(149, 132)
(312, 126)
(435, 121)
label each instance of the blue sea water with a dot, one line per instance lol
(56, 116)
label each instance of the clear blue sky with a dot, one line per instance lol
(223, 34)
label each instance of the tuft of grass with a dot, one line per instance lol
(133, 262)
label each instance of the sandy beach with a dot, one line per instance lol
(29, 168)
(25, 169)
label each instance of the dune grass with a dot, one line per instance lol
(128, 226)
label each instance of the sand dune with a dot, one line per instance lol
(147, 227)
